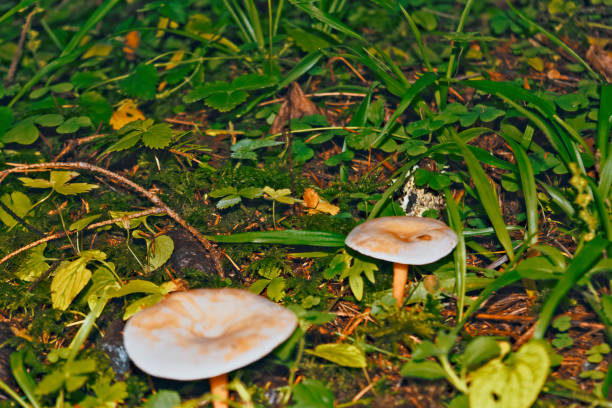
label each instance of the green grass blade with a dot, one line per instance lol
(488, 197)
(459, 253)
(602, 210)
(604, 122)
(416, 88)
(326, 18)
(553, 38)
(286, 237)
(558, 198)
(605, 178)
(16, 9)
(528, 188)
(300, 69)
(367, 58)
(582, 262)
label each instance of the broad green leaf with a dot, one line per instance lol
(250, 82)
(24, 132)
(572, 102)
(362, 265)
(49, 120)
(34, 265)
(346, 355)
(511, 383)
(427, 370)
(35, 183)
(312, 394)
(425, 19)
(104, 285)
(163, 399)
(142, 83)
(68, 281)
(51, 382)
(125, 142)
(479, 351)
(6, 119)
(356, 285)
(161, 251)
(142, 303)
(308, 41)
(62, 87)
(138, 286)
(157, 136)
(83, 222)
(250, 192)
(73, 124)
(226, 100)
(245, 148)
(228, 201)
(17, 202)
(96, 107)
(276, 289)
(223, 191)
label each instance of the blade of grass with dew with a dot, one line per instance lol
(582, 262)
(558, 198)
(459, 253)
(423, 82)
(553, 38)
(604, 122)
(529, 191)
(286, 237)
(71, 52)
(488, 197)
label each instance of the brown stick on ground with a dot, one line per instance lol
(127, 183)
(13, 68)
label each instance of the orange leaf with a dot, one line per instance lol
(131, 43)
(126, 112)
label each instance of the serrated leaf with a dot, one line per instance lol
(50, 382)
(59, 180)
(34, 265)
(35, 183)
(24, 132)
(511, 383)
(19, 203)
(71, 277)
(142, 83)
(161, 251)
(346, 355)
(258, 286)
(312, 394)
(49, 120)
(250, 192)
(226, 100)
(276, 289)
(125, 142)
(427, 370)
(157, 136)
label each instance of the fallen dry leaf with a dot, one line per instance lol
(131, 43)
(601, 61)
(295, 106)
(126, 112)
(317, 204)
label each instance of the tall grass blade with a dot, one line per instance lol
(604, 122)
(16, 9)
(528, 188)
(23, 378)
(602, 209)
(326, 18)
(559, 199)
(459, 253)
(423, 82)
(582, 262)
(286, 237)
(488, 197)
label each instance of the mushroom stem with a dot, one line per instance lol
(219, 391)
(400, 277)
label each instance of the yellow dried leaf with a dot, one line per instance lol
(176, 58)
(126, 112)
(98, 50)
(162, 24)
(310, 197)
(317, 204)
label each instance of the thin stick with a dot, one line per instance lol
(13, 68)
(57, 235)
(128, 183)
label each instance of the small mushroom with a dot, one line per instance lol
(206, 333)
(403, 241)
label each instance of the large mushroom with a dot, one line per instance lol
(403, 241)
(206, 333)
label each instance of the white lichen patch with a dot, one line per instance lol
(415, 201)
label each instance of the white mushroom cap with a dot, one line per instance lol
(204, 333)
(404, 240)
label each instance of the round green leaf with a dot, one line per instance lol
(50, 120)
(24, 132)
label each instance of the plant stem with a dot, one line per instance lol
(452, 376)
(294, 368)
(4, 387)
